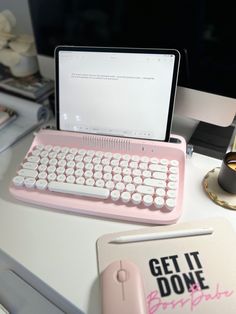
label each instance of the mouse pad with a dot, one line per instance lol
(181, 275)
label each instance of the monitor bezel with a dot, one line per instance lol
(175, 52)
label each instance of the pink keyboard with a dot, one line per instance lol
(127, 179)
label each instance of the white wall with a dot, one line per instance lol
(21, 11)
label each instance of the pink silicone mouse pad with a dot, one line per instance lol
(107, 208)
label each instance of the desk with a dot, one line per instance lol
(60, 248)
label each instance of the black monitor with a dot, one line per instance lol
(203, 31)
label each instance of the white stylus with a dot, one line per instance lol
(162, 235)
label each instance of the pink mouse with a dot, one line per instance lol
(122, 289)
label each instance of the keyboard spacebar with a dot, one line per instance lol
(76, 189)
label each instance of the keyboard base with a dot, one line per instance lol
(107, 208)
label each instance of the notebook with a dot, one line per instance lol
(181, 275)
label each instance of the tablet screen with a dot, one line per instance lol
(118, 92)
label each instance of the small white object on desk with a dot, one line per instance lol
(162, 235)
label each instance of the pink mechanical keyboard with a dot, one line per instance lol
(127, 179)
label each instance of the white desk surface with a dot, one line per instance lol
(60, 248)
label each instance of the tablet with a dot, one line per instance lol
(125, 92)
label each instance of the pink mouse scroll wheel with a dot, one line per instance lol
(122, 275)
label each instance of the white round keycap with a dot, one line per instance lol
(136, 198)
(42, 175)
(33, 159)
(117, 177)
(136, 172)
(117, 156)
(73, 151)
(42, 168)
(48, 148)
(80, 180)
(79, 173)
(146, 174)
(145, 159)
(126, 171)
(79, 158)
(51, 177)
(18, 180)
(87, 159)
(52, 155)
(126, 157)
(107, 176)
(143, 166)
(127, 179)
(80, 165)
(88, 166)
(98, 175)
(29, 182)
(147, 200)
(96, 160)
(133, 165)
(110, 185)
(82, 152)
(108, 155)
(65, 149)
(172, 185)
(137, 180)
(173, 177)
(100, 183)
(159, 202)
(61, 156)
(44, 153)
(41, 184)
(130, 187)
(70, 179)
(115, 195)
(164, 162)
(117, 169)
(70, 171)
(61, 178)
(174, 170)
(90, 182)
(98, 168)
(114, 162)
(62, 163)
(70, 157)
(125, 197)
(170, 203)
(174, 163)
(154, 160)
(106, 161)
(99, 154)
(56, 149)
(88, 174)
(51, 169)
(36, 152)
(124, 164)
(40, 147)
(44, 161)
(135, 158)
(70, 164)
(90, 153)
(53, 162)
(60, 170)
(160, 192)
(120, 186)
(107, 168)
